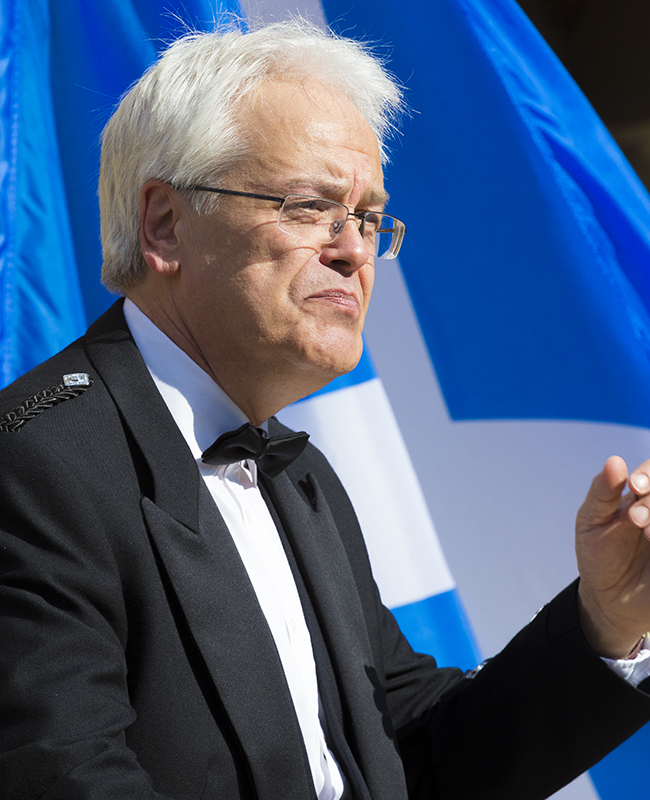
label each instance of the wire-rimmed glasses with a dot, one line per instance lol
(320, 221)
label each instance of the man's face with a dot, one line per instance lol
(256, 298)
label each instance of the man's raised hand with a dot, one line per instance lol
(613, 552)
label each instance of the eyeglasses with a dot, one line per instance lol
(319, 220)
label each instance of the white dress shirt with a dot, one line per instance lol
(203, 412)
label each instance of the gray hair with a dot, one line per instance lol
(178, 123)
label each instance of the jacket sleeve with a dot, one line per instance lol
(528, 722)
(63, 629)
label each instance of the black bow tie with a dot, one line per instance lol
(272, 453)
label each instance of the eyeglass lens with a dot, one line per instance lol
(321, 221)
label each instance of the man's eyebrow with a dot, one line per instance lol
(378, 198)
(373, 197)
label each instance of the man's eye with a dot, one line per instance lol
(311, 209)
(317, 204)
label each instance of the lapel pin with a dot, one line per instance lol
(76, 379)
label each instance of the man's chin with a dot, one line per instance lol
(342, 364)
(329, 355)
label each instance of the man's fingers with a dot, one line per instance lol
(640, 479)
(639, 515)
(610, 483)
(639, 510)
(604, 495)
(608, 487)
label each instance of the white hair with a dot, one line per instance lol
(178, 123)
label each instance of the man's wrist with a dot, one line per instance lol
(604, 636)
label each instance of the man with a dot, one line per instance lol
(183, 619)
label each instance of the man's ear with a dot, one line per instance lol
(161, 223)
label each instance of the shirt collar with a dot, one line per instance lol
(200, 408)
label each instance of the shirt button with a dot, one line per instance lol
(247, 515)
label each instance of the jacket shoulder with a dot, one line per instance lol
(64, 377)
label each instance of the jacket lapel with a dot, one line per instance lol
(203, 567)
(170, 483)
(321, 557)
(229, 628)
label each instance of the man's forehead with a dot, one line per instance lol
(306, 113)
(311, 140)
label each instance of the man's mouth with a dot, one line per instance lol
(339, 297)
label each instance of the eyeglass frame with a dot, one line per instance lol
(360, 215)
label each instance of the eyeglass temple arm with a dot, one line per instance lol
(198, 188)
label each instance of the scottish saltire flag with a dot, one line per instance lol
(511, 348)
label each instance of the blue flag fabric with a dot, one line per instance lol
(40, 303)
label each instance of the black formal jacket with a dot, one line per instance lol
(135, 661)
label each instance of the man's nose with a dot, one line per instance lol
(349, 251)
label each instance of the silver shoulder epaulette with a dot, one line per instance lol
(71, 385)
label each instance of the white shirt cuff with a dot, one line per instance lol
(633, 670)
